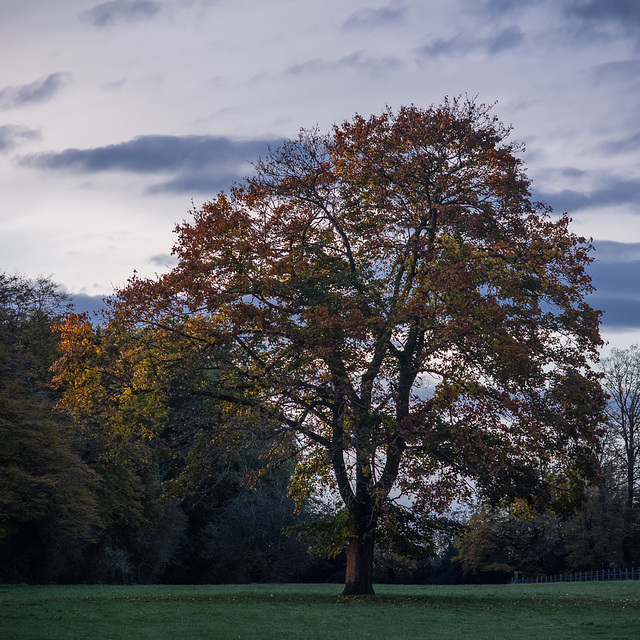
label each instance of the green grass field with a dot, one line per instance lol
(524, 612)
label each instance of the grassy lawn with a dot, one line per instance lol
(570, 611)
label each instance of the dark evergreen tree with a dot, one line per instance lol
(48, 508)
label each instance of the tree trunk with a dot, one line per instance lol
(360, 565)
(628, 537)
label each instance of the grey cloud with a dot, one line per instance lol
(201, 181)
(150, 154)
(572, 172)
(461, 44)
(623, 145)
(499, 7)
(370, 18)
(163, 260)
(118, 11)
(11, 135)
(624, 12)
(195, 163)
(357, 60)
(604, 19)
(506, 39)
(39, 91)
(115, 86)
(309, 66)
(456, 45)
(614, 191)
(83, 303)
(620, 252)
(362, 62)
(615, 275)
(619, 313)
(625, 70)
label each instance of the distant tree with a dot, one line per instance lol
(28, 310)
(488, 544)
(183, 487)
(440, 569)
(117, 407)
(622, 382)
(621, 370)
(403, 312)
(245, 538)
(595, 537)
(48, 509)
(497, 542)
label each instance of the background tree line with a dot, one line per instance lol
(144, 478)
(126, 482)
(378, 313)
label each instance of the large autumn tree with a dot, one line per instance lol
(400, 308)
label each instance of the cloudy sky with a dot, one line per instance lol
(114, 116)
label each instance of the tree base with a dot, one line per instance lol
(360, 566)
(358, 590)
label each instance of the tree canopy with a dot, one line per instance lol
(390, 305)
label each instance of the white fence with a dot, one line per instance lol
(581, 576)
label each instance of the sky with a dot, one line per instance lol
(116, 118)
